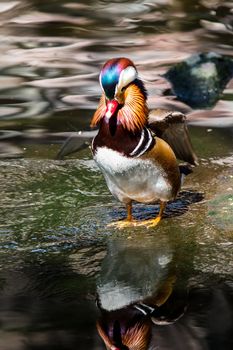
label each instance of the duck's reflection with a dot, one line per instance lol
(138, 287)
(131, 327)
(152, 296)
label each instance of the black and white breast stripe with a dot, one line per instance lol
(146, 141)
(144, 309)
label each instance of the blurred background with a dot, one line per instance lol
(56, 253)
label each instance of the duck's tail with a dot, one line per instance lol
(185, 169)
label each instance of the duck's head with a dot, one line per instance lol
(115, 76)
(124, 95)
(125, 334)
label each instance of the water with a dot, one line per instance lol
(57, 255)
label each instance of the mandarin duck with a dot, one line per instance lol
(136, 150)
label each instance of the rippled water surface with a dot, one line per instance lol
(57, 255)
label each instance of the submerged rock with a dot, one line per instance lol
(200, 80)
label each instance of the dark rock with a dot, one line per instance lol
(200, 80)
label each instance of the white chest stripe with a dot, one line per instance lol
(139, 150)
(150, 140)
(139, 144)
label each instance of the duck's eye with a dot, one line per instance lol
(123, 89)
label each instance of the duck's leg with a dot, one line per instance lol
(155, 221)
(129, 212)
(130, 222)
(126, 222)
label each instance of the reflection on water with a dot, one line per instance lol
(48, 300)
(158, 297)
(57, 257)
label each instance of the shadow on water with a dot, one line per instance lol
(57, 254)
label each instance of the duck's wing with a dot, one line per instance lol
(76, 142)
(171, 127)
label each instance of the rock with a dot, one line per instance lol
(200, 80)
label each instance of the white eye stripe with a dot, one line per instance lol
(128, 75)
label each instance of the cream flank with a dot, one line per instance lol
(134, 179)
